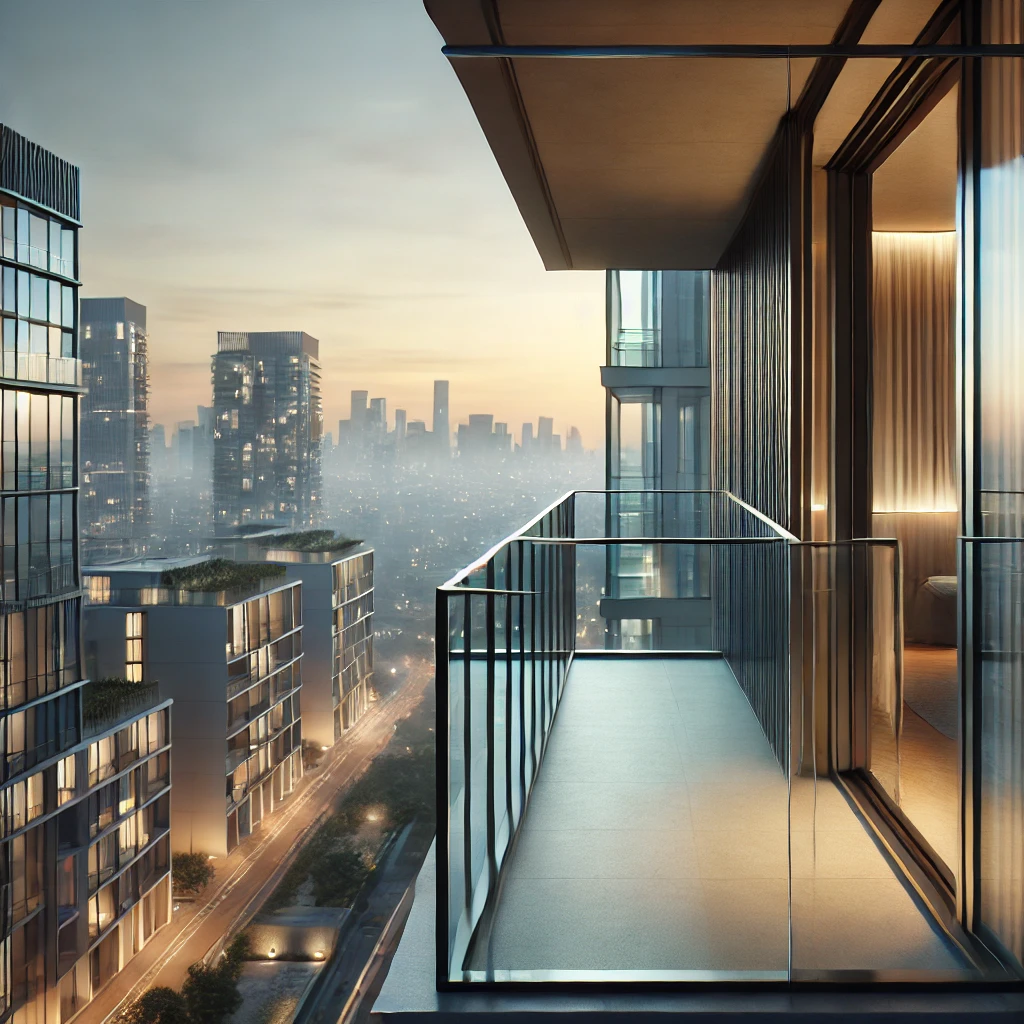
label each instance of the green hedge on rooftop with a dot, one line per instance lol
(309, 541)
(219, 574)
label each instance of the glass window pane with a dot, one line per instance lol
(67, 315)
(38, 298)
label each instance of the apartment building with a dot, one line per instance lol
(816, 810)
(235, 682)
(113, 837)
(336, 575)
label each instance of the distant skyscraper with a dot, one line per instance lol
(527, 445)
(399, 425)
(574, 442)
(184, 448)
(378, 417)
(416, 428)
(545, 425)
(442, 423)
(202, 447)
(359, 411)
(115, 500)
(268, 429)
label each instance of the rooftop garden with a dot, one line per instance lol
(309, 541)
(219, 574)
(109, 699)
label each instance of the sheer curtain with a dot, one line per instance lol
(1000, 418)
(914, 371)
(914, 487)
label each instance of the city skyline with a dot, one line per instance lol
(406, 254)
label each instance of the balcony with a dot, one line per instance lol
(643, 716)
(636, 347)
(42, 368)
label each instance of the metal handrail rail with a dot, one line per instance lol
(522, 532)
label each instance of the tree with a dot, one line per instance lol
(235, 955)
(338, 877)
(191, 872)
(159, 1005)
(211, 993)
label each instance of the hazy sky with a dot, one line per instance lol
(301, 165)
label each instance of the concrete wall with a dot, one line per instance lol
(185, 652)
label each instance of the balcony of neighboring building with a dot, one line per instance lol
(659, 799)
(657, 331)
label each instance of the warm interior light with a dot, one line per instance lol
(818, 508)
(272, 952)
(912, 511)
(323, 748)
(319, 954)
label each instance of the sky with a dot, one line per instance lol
(302, 165)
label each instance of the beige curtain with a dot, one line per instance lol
(914, 371)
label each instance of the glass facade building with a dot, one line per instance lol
(84, 784)
(268, 430)
(115, 496)
(821, 792)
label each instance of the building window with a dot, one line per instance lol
(135, 626)
(66, 780)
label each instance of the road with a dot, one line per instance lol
(248, 876)
(353, 970)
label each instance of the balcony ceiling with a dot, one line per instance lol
(632, 163)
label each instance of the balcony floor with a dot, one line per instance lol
(657, 840)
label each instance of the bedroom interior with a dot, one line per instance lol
(914, 487)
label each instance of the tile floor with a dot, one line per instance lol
(657, 840)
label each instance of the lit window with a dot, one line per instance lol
(135, 626)
(66, 779)
(99, 589)
(120, 332)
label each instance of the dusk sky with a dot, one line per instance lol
(301, 165)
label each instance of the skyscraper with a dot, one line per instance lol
(267, 431)
(378, 417)
(115, 499)
(73, 896)
(359, 411)
(527, 445)
(545, 427)
(400, 417)
(442, 423)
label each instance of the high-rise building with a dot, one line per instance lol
(183, 447)
(815, 478)
(84, 861)
(442, 421)
(400, 421)
(202, 448)
(159, 456)
(574, 442)
(377, 418)
(360, 411)
(545, 428)
(115, 499)
(268, 430)
(527, 436)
